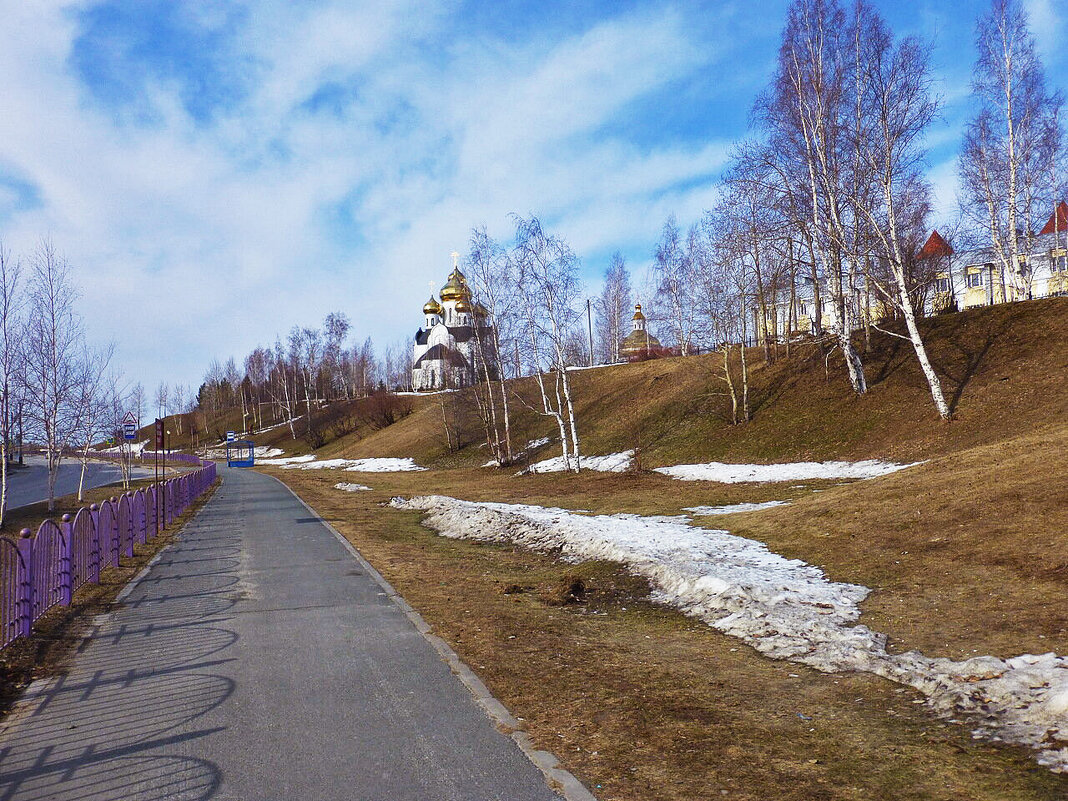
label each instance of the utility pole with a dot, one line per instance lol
(589, 320)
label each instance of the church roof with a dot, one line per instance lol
(441, 353)
(1058, 221)
(638, 341)
(935, 247)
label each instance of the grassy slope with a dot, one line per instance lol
(1004, 369)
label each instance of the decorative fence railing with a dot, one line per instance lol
(172, 457)
(42, 570)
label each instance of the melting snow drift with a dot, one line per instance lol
(784, 608)
(795, 471)
(351, 487)
(376, 465)
(734, 508)
(612, 463)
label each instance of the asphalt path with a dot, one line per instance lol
(29, 484)
(257, 660)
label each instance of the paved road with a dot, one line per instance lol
(258, 661)
(30, 484)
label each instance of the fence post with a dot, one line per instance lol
(65, 546)
(25, 583)
(115, 544)
(129, 525)
(95, 554)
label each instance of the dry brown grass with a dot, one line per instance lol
(643, 703)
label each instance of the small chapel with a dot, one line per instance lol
(456, 338)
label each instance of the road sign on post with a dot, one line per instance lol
(159, 434)
(230, 436)
(129, 426)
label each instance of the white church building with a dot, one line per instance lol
(456, 338)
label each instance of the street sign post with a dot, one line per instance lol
(129, 427)
(231, 436)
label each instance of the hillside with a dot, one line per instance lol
(1003, 369)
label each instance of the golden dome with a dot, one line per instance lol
(638, 313)
(463, 306)
(456, 288)
(432, 306)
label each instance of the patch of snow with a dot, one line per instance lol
(612, 463)
(383, 465)
(289, 460)
(590, 367)
(258, 452)
(134, 448)
(784, 608)
(734, 508)
(537, 443)
(794, 471)
(351, 487)
(375, 465)
(492, 463)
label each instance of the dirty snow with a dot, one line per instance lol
(784, 608)
(612, 463)
(794, 471)
(288, 460)
(376, 465)
(734, 508)
(351, 487)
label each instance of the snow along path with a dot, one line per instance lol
(351, 487)
(784, 608)
(791, 471)
(375, 465)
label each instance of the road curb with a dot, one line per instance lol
(559, 779)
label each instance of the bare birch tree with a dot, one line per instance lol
(94, 407)
(613, 309)
(53, 368)
(10, 354)
(548, 289)
(1011, 144)
(808, 107)
(493, 281)
(898, 109)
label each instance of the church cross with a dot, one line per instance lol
(455, 259)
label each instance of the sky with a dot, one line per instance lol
(218, 171)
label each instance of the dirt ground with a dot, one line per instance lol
(641, 702)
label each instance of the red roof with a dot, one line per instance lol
(1058, 220)
(936, 246)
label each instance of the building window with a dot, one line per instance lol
(803, 311)
(975, 280)
(942, 285)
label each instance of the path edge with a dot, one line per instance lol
(559, 779)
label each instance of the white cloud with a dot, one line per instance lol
(196, 240)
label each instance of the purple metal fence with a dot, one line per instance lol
(49, 550)
(40, 571)
(84, 551)
(108, 533)
(11, 569)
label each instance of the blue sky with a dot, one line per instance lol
(217, 171)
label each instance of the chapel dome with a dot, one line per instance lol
(456, 288)
(432, 306)
(463, 306)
